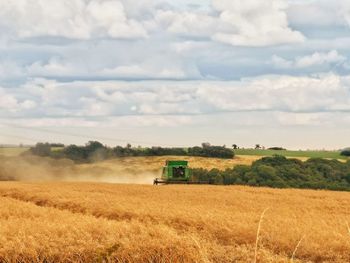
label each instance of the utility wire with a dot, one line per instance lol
(119, 140)
(17, 137)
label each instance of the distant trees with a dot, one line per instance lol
(345, 152)
(277, 148)
(211, 151)
(75, 153)
(57, 145)
(41, 149)
(160, 151)
(206, 144)
(92, 151)
(44, 149)
(280, 172)
(96, 151)
(235, 146)
(257, 146)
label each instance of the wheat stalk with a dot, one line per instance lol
(258, 233)
(200, 249)
(296, 248)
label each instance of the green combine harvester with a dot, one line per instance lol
(177, 172)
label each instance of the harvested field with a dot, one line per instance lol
(140, 223)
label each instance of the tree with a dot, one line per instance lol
(277, 148)
(345, 152)
(58, 145)
(235, 146)
(278, 171)
(92, 146)
(75, 153)
(257, 146)
(205, 145)
(41, 149)
(211, 151)
(266, 173)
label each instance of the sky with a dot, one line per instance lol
(176, 73)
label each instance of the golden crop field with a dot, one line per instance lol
(89, 222)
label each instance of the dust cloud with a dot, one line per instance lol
(34, 168)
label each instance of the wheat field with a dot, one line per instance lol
(95, 222)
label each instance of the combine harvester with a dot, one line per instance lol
(177, 172)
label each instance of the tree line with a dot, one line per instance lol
(96, 151)
(345, 152)
(280, 172)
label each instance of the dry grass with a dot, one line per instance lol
(86, 222)
(258, 235)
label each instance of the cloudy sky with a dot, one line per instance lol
(175, 73)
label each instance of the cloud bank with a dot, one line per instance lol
(155, 66)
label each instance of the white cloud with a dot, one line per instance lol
(319, 59)
(153, 68)
(255, 23)
(269, 103)
(326, 93)
(10, 70)
(303, 119)
(315, 59)
(144, 71)
(239, 23)
(92, 107)
(76, 19)
(110, 15)
(285, 93)
(9, 102)
(28, 105)
(109, 95)
(47, 46)
(186, 23)
(280, 62)
(54, 67)
(319, 12)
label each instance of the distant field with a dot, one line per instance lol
(140, 170)
(89, 222)
(12, 151)
(287, 153)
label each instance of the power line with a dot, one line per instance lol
(77, 135)
(18, 137)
